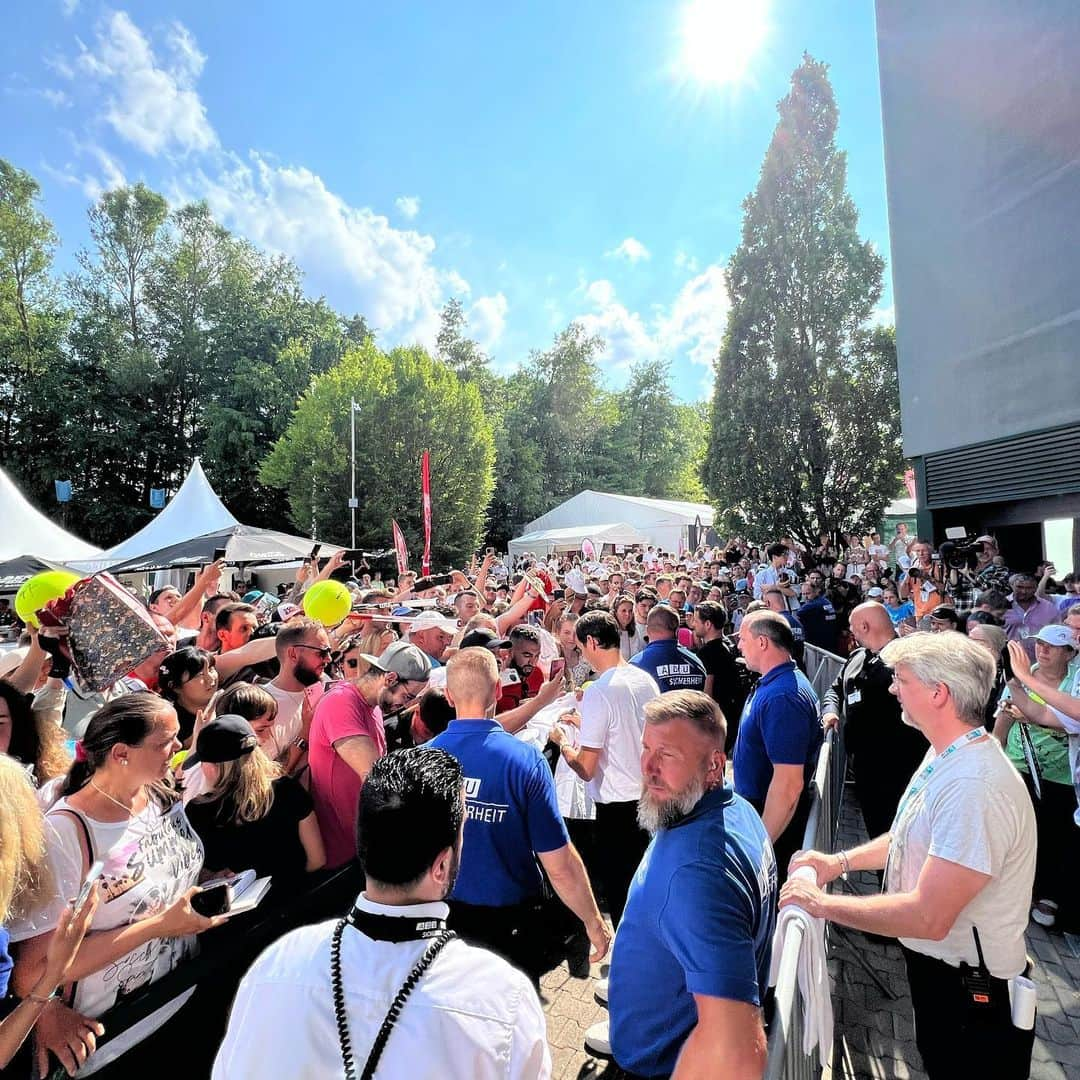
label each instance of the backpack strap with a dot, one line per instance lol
(86, 842)
(86, 845)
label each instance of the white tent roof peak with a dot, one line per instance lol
(677, 507)
(27, 531)
(194, 510)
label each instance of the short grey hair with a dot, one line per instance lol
(692, 706)
(1022, 576)
(950, 659)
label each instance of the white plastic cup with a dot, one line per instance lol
(1024, 999)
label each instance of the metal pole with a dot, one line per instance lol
(352, 498)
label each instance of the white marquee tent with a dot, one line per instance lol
(664, 523)
(24, 530)
(547, 541)
(194, 510)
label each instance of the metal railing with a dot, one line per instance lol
(787, 1060)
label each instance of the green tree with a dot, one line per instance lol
(29, 326)
(804, 429)
(408, 403)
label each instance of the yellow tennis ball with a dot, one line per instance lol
(327, 602)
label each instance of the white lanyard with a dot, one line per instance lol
(923, 778)
(899, 829)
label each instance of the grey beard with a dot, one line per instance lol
(654, 816)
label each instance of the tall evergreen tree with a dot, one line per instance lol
(805, 425)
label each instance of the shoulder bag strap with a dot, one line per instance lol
(393, 1012)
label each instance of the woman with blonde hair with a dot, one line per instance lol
(251, 816)
(374, 642)
(25, 882)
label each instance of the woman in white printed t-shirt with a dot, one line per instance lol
(118, 807)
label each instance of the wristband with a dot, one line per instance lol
(300, 743)
(37, 999)
(842, 856)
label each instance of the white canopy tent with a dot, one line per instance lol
(547, 541)
(195, 510)
(664, 523)
(24, 530)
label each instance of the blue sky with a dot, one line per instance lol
(542, 161)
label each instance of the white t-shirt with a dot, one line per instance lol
(150, 859)
(612, 720)
(289, 720)
(973, 811)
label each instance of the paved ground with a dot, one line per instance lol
(874, 1037)
(873, 1034)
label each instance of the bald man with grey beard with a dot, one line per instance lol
(884, 751)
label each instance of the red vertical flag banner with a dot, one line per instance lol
(399, 547)
(425, 479)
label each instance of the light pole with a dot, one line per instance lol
(353, 407)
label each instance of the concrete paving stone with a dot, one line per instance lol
(1046, 1070)
(1055, 1030)
(1043, 948)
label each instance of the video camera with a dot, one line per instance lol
(961, 550)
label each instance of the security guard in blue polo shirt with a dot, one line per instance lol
(511, 819)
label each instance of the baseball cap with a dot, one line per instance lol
(484, 638)
(1056, 634)
(406, 661)
(285, 611)
(875, 591)
(373, 662)
(428, 620)
(985, 540)
(225, 738)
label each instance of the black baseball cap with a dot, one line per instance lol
(225, 738)
(484, 638)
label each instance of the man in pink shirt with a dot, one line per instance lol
(347, 738)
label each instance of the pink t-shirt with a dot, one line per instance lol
(335, 788)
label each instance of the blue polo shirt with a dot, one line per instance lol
(671, 665)
(779, 726)
(511, 811)
(699, 919)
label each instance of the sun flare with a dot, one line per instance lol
(720, 39)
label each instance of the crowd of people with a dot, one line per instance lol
(470, 770)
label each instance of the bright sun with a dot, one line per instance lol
(720, 39)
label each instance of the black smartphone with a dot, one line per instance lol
(313, 554)
(219, 553)
(215, 899)
(1006, 664)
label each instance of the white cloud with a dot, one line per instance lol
(686, 262)
(692, 326)
(456, 285)
(883, 316)
(56, 97)
(107, 176)
(487, 320)
(69, 7)
(630, 249)
(408, 205)
(153, 107)
(696, 320)
(348, 252)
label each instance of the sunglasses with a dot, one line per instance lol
(323, 650)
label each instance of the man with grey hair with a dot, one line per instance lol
(959, 864)
(691, 959)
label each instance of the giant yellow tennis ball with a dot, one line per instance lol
(35, 593)
(327, 602)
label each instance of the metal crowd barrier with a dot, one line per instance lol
(787, 1061)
